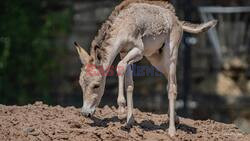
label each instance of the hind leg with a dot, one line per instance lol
(171, 55)
(162, 65)
(166, 62)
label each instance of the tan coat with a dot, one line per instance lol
(136, 28)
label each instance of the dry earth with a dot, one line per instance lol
(45, 123)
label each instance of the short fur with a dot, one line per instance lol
(98, 44)
(135, 29)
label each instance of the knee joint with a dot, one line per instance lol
(121, 68)
(130, 88)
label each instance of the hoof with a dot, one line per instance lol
(121, 112)
(171, 132)
(130, 122)
(128, 126)
(121, 116)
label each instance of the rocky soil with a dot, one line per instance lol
(45, 123)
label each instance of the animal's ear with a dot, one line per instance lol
(84, 56)
(97, 54)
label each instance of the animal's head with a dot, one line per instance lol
(91, 80)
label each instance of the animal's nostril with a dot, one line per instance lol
(89, 115)
(86, 114)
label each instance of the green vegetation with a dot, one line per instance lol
(29, 49)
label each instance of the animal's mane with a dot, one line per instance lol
(104, 31)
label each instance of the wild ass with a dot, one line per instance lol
(136, 28)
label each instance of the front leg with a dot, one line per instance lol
(121, 99)
(172, 94)
(129, 84)
(133, 56)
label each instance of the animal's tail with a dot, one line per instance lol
(197, 28)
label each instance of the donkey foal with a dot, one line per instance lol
(136, 28)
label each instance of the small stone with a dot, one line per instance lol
(74, 124)
(38, 103)
(28, 130)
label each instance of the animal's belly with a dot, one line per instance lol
(153, 43)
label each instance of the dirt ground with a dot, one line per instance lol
(43, 122)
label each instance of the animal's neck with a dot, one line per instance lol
(113, 47)
(111, 52)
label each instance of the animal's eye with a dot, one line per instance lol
(96, 86)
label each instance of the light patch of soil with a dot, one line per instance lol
(46, 123)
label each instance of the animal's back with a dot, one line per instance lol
(148, 19)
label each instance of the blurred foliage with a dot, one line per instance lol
(29, 51)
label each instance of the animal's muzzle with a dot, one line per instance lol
(87, 110)
(86, 114)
